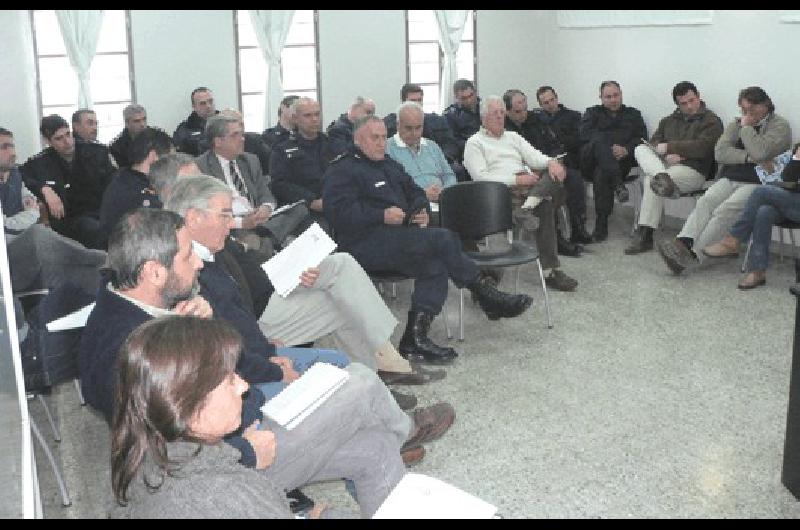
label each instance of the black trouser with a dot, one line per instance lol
(431, 256)
(606, 172)
(84, 228)
(576, 194)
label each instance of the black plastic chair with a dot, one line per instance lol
(475, 210)
(379, 278)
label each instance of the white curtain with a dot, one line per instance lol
(80, 30)
(271, 28)
(451, 23)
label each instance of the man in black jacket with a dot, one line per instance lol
(135, 117)
(463, 116)
(341, 131)
(609, 133)
(189, 137)
(70, 178)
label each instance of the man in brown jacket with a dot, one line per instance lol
(677, 160)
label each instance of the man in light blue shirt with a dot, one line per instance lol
(420, 157)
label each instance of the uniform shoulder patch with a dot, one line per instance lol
(339, 157)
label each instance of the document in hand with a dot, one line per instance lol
(308, 250)
(305, 394)
(76, 319)
(419, 496)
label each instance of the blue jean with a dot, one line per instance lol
(302, 359)
(767, 206)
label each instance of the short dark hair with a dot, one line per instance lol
(462, 84)
(544, 88)
(150, 139)
(509, 94)
(287, 102)
(142, 235)
(196, 90)
(683, 88)
(5, 132)
(756, 96)
(409, 88)
(78, 114)
(609, 83)
(51, 124)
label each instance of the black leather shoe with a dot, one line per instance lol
(416, 346)
(642, 241)
(404, 401)
(600, 229)
(497, 304)
(567, 248)
(579, 233)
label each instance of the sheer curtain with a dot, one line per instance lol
(451, 25)
(271, 28)
(80, 29)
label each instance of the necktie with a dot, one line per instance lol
(239, 183)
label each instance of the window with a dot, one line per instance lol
(425, 56)
(300, 69)
(110, 73)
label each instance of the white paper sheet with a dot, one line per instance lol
(308, 250)
(302, 397)
(419, 496)
(76, 319)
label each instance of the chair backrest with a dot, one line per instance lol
(476, 209)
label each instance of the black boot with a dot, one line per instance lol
(600, 228)
(579, 233)
(497, 304)
(642, 241)
(567, 248)
(415, 344)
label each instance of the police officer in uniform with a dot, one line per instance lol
(380, 217)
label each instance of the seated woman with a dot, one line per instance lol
(767, 206)
(178, 396)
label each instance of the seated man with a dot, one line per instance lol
(766, 207)
(285, 126)
(678, 159)
(189, 136)
(300, 161)
(341, 131)
(84, 126)
(381, 217)
(253, 201)
(70, 179)
(463, 116)
(135, 117)
(756, 137)
(504, 156)
(420, 157)
(38, 258)
(542, 137)
(609, 133)
(153, 272)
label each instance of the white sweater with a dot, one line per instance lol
(500, 159)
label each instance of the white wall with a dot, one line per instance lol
(174, 52)
(19, 112)
(361, 53)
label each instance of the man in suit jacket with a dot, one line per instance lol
(253, 201)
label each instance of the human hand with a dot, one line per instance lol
(263, 443)
(433, 192)
(197, 306)
(316, 511)
(556, 170)
(525, 178)
(673, 159)
(421, 218)
(287, 367)
(393, 216)
(54, 203)
(747, 119)
(619, 151)
(29, 202)
(315, 205)
(661, 148)
(309, 277)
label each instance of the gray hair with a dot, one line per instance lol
(142, 235)
(409, 105)
(132, 110)
(360, 122)
(194, 193)
(164, 171)
(217, 125)
(491, 99)
(301, 101)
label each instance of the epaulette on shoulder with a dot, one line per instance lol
(340, 157)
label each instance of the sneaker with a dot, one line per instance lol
(560, 282)
(676, 255)
(662, 185)
(622, 193)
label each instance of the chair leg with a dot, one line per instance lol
(446, 321)
(780, 248)
(546, 298)
(80, 394)
(791, 238)
(516, 281)
(565, 219)
(56, 434)
(461, 314)
(746, 255)
(394, 290)
(65, 500)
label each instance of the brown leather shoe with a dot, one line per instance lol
(727, 248)
(413, 455)
(752, 280)
(419, 376)
(431, 423)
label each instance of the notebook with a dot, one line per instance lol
(419, 496)
(303, 395)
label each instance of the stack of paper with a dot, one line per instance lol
(308, 250)
(304, 395)
(419, 496)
